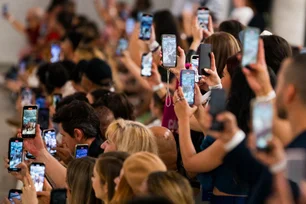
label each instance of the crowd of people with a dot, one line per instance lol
(144, 142)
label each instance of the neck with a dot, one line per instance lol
(69, 56)
(57, 91)
(297, 121)
(89, 141)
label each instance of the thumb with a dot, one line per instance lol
(246, 72)
(180, 51)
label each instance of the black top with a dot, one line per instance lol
(94, 149)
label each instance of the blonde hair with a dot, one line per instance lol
(170, 185)
(130, 136)
(123, 193)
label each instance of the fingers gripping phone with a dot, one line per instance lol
(217, 105)
(14, 194)
(37, 171)
(250, 46)
(146, 64)
(169, 46)
(187, 81)
(204, 59)
(262, 120)
(55, 53)
(81, 150)
(58, 196)
(29, 121)
(145, 26)
(195, 64)
(122, 46)
(15, 153)
(203, 17)
(49, 137)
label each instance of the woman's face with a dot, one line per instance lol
(99, 188)
(109, 145)
(226, 80)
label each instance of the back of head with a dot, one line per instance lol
(170, 185)
(108, 169)
(166, 146)
(139, 166)
(131, 137)
(122, 156)
(106, 117)
(78, 115)
(79, 173)
(69, 66)
(78, 96)
(149, 200)
(276, 50)
(76, 74)
(223, 45)
(56, 76)
(65, 20)
(232, 27)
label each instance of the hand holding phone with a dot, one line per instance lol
(146, 64)
(15, 153)
(169, 51)
(29, 121)
(250, 46)
(37, 172)
(203, 17)
(187, 81)
(14, 194)
(81, 150)
(145, 26)
(217, 105)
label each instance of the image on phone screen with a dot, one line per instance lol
(15, 154)
(56, 99)
(262, 117)
(146, 64)
(169, 50)
(195, 65)
(55, 53)
(203, 16)
(129, 26)
(187, 84)
(26, 96)
(50, 140)
(41, 102)
(145, 27)
(43, 118)
(250, 46)
(37, 171)
(122, 45)
(29, 120)
(81, 151)
(14, 194)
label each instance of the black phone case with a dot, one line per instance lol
(58, 196)
(217, 105)
(204, 58)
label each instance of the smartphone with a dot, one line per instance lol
(29, 121)
(129, 26)
(26, 96)
(4, 9)
(22, 67)
(145, 26)
(15, 153)
(187, 81)
(146, 64)
(58, 196)
(28, 156)
(296, 164)
(43, 118)
(204, 59)
(217, 105)
(37, 171)
(81, 150)
(203, 17)
(169, 50)
(14, 193)
(41, 101)
(262, 120)
(250, 46)
(55, 53)
(56, 98)
(122, 46)
(49, 137)
(194, 61)
(303, 50)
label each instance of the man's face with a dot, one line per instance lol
(85, 83)
(282, 111)
(66, 47)
(67, 140)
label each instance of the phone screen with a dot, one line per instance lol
(250, 46)
(195, 64)
(37, 171)
(169, 50)
(146, 64)
(203, 16)
(22, 67)
(29, 121)
(145, 27)
(41, 102)
(81, 151)
(43, 118)
(26, 96)
(16, 149)
(58, 196)
(122, 45)
(187, 84)
(129, 26)
(14, 193)
(50, 140)
(55, 53)
(217, 105)
(262, 118)
(56, 99)
(4, 9)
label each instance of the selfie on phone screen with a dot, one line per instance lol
(15, 154)
(37, 171)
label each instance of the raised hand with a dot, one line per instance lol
(181, 59)
(210, 29)
(182, 109)
(34, 145)
(213, 78)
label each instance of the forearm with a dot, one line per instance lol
(195, 45)
(282, 188)
(194, 124)
(200, 117)
(55, 171)
(18, 26)
(136, 72)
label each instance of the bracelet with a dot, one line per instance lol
(218, 86)
(280, 166)
(235, 141)
(268, 97)
(154, 46)
(158, 87)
